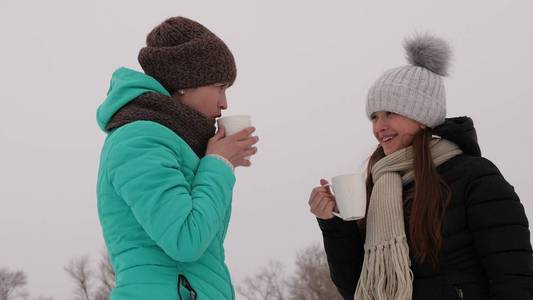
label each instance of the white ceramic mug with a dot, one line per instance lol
(350, 194)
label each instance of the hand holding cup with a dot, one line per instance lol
(234, 140)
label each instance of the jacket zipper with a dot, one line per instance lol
(459, 292)
(182, 281)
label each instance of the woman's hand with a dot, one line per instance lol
(236, 148)
(322, 202)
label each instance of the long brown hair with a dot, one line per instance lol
(431, 196)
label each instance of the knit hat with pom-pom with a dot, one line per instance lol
(416, 90)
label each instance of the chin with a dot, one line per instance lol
(389, 150)
(392, 150)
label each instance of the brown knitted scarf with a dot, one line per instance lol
(189, 124)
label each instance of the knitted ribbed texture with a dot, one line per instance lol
(181, 53)
(411, 91)
(386, 273)
(193, 127)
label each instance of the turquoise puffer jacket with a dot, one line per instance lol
(164, 212)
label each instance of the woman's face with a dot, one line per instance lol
(208, 100)
(394, 131)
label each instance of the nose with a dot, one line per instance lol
(380, 124)
(223, 102)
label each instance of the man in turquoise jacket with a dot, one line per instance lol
(165, 179)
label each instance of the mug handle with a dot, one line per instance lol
(329, 185)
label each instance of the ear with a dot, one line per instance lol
(178, 94)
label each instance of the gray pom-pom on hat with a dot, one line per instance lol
(428, 52)
(415, 90)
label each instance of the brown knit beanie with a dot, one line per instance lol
(181, 53)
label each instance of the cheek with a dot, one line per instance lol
(190, 100)
(207, 101)
(213, 97)
(407, 139)
(409, 135)
(215, 101)
(374, 130)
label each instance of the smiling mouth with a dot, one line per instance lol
(387, 139)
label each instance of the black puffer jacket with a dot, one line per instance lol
(486, 251)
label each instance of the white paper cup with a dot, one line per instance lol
(234, 124)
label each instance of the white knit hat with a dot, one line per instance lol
(416, 90)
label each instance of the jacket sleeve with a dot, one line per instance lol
(499, 227)
(345, 253)
(144, 167)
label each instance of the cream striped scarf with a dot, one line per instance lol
(386, 273)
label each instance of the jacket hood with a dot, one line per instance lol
(126, 85)
(460, 131)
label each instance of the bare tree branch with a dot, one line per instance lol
(269, 284)
(311, 279)
(92, 285)
(12, 284)
(106, 277)
(79, 271)
(107, 274)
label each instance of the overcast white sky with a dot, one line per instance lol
(304, 68)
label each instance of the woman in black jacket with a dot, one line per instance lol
(441, 222)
